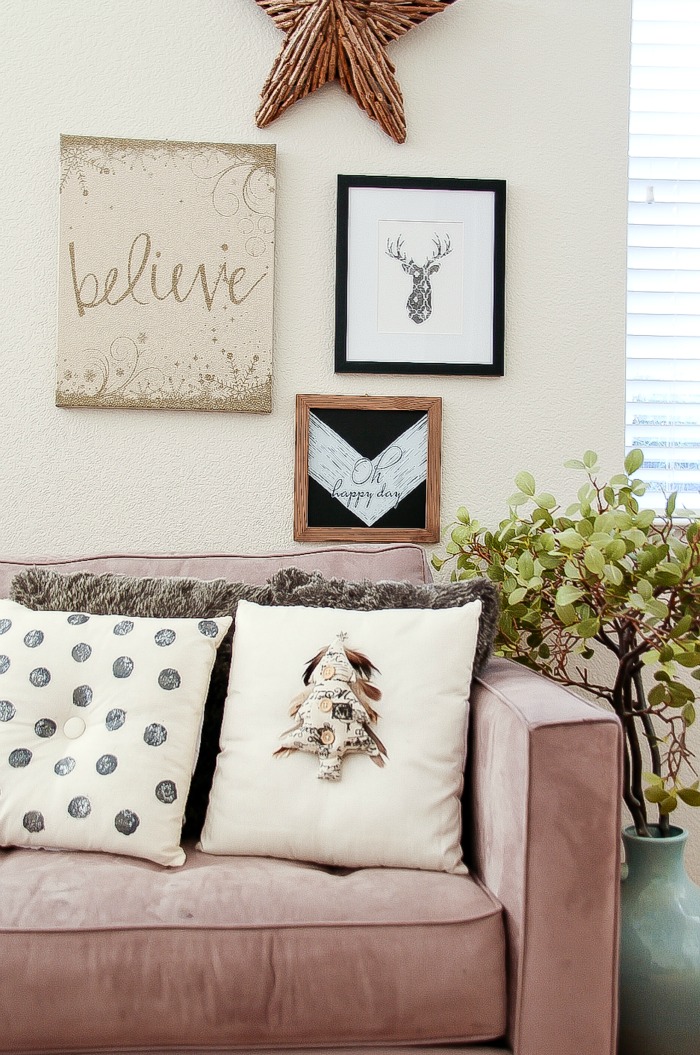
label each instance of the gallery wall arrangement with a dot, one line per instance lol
(166, 282)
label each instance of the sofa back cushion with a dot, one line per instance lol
(383, 561)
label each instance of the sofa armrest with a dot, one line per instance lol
(545, 839)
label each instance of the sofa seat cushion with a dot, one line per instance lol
(242, 951)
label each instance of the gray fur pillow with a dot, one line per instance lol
(42, 589)
(293, 586)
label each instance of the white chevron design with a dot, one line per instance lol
(369, 488)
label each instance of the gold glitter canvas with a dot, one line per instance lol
(166, 267)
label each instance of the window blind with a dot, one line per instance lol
(663, 263)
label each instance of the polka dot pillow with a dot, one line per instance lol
(99, 727)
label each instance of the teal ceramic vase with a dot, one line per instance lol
(659, 948)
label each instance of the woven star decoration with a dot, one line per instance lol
(341, 40)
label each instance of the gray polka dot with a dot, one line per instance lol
(79, 807)
(77, 619)
(82, 696)
(208, 627)
(7, 711)
(123, 628)
(155, 735)
(5, 625)
(33, 639)
(165, 637)
(105, 765)
(166, 791)
(20, 757)
(81, 652)
(33, 821)
(126, 822)
(122, 667)
(4, 664)
(115, 719)
(45, 728)
(40, 677)
(64, 766)
(169, 679)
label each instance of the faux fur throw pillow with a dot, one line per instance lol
(169, 598)
(292, 586)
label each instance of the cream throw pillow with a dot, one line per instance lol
(404, 814)
(99, 725)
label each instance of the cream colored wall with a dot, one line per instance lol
(531, 91)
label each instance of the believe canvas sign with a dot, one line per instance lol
(166, 264)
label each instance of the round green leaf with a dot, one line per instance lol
(594, 560)
(587, 628)
(566, 614)
(571, 539)
(688, 659)
(460, 534)
(657, 695)
(646, 518)
(612, 574)
(517, 499)
(615, 549)
(526, 566)
(645, 590)
(567, 595)
(634, 461)
(653, 778)
(526, 483)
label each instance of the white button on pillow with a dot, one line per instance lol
(397, 807)
(99, 726)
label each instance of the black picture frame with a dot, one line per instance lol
(393, 314)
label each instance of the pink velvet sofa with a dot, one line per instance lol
(115, 954)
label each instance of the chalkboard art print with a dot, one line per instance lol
(367, 468)
(165, 282)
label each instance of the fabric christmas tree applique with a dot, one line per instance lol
(334, 712)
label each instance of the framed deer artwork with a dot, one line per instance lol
(420, 275)
(367, 468)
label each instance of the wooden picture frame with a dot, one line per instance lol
(367, 468)
(420, 275)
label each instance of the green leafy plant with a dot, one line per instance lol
(602, 574)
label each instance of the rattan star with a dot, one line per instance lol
(342, 40)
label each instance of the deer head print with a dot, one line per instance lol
(420, 301)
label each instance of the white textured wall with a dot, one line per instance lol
(531, 91)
